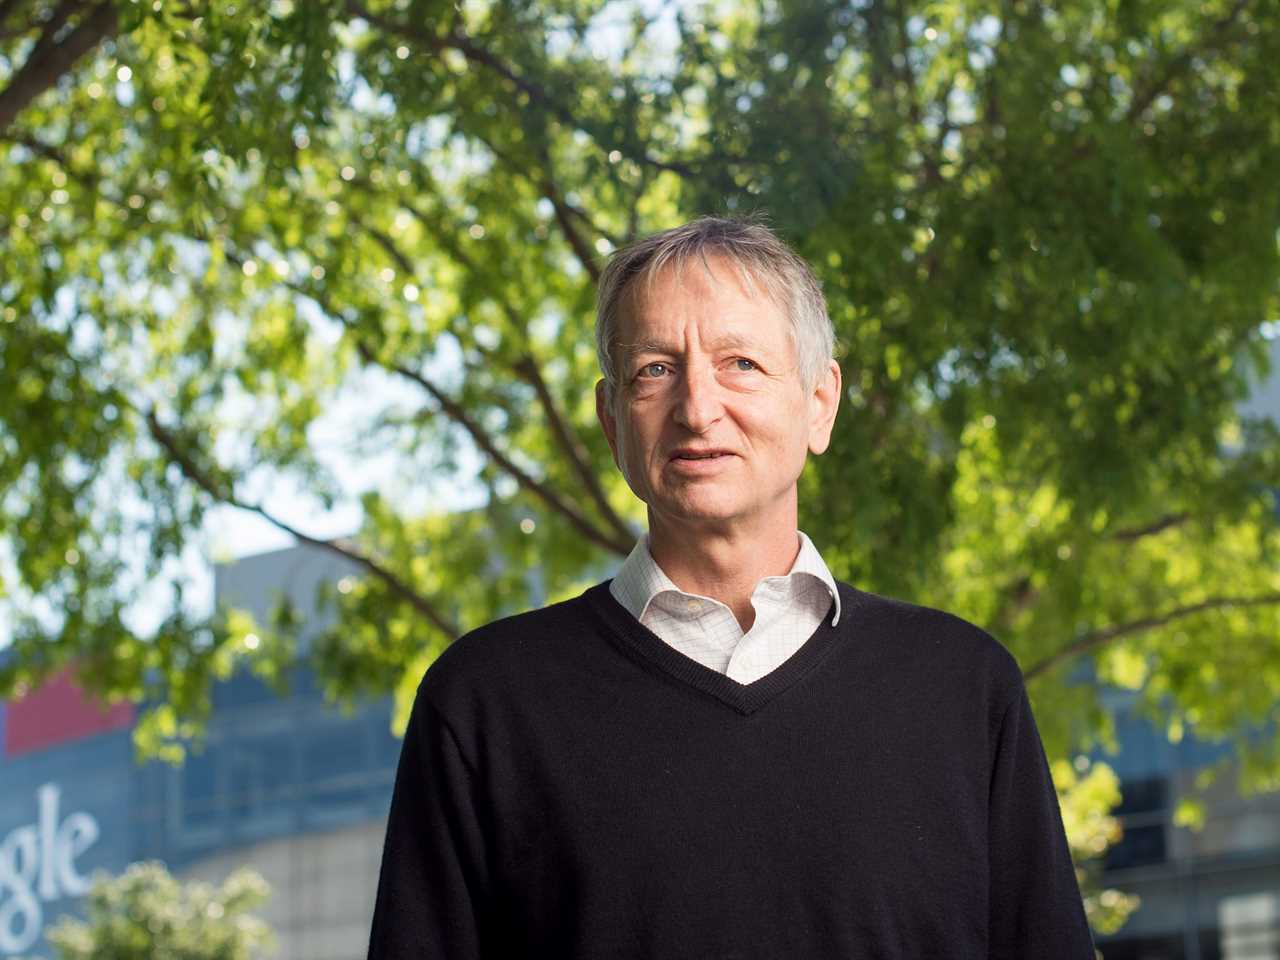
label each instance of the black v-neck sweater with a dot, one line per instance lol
(572, 787)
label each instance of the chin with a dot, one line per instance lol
(703, 510)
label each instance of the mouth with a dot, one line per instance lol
(695, 455)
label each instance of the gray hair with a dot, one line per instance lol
(761, 259)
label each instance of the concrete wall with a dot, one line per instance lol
(322, 884)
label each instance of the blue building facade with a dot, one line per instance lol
(1207, 894)
(290, 785)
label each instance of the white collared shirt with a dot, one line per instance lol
(788, 609)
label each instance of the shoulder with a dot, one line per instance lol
(934, 641)
(512, 650)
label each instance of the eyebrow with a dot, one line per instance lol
(728, 340)
(645, 346)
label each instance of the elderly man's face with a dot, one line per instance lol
(712, 422)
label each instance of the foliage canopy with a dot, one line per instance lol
(1048, 236)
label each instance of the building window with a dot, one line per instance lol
(200, 819)
(260, 784)
(1143, 812)
(336, 772)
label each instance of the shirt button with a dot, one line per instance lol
(693, 606)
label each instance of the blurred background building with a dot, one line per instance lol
(288, 785)
(1211, 894)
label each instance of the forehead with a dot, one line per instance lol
(722, 298)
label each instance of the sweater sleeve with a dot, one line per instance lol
(1035, 904)
(431, 888)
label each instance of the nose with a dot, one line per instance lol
(698, 404)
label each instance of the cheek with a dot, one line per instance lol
(639, 429)
(795, 450)
(788, 433)
(635, 447)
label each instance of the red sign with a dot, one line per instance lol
(58, 712)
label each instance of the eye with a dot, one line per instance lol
(744, 365)
(656, 369)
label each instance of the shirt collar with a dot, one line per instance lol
(640, 579)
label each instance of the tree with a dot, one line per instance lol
(1086, 795)
(1047, 234)
(145, 914)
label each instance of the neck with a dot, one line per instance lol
(724, 564)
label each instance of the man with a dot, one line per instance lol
(723, 752)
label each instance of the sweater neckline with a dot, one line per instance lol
(745, 698)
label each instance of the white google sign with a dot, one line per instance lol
(38, 865)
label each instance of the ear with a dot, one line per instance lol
(608, 422)
(824, 401)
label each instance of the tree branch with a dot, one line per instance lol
(1183, 61)
(57, 19)
(528, 370)
(481, 438)
(619, 543)
(621, 539)
(577, 213)
(1095, 639)
(48, 151)
(567, 439)
(881, 70)
(1018, 596)
(388, 245)
(456, 40)
(40, 72)
(565, 212)
(6, 10)
(932, 175)
(341, 546)
(576, 242)
(1157, 526)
